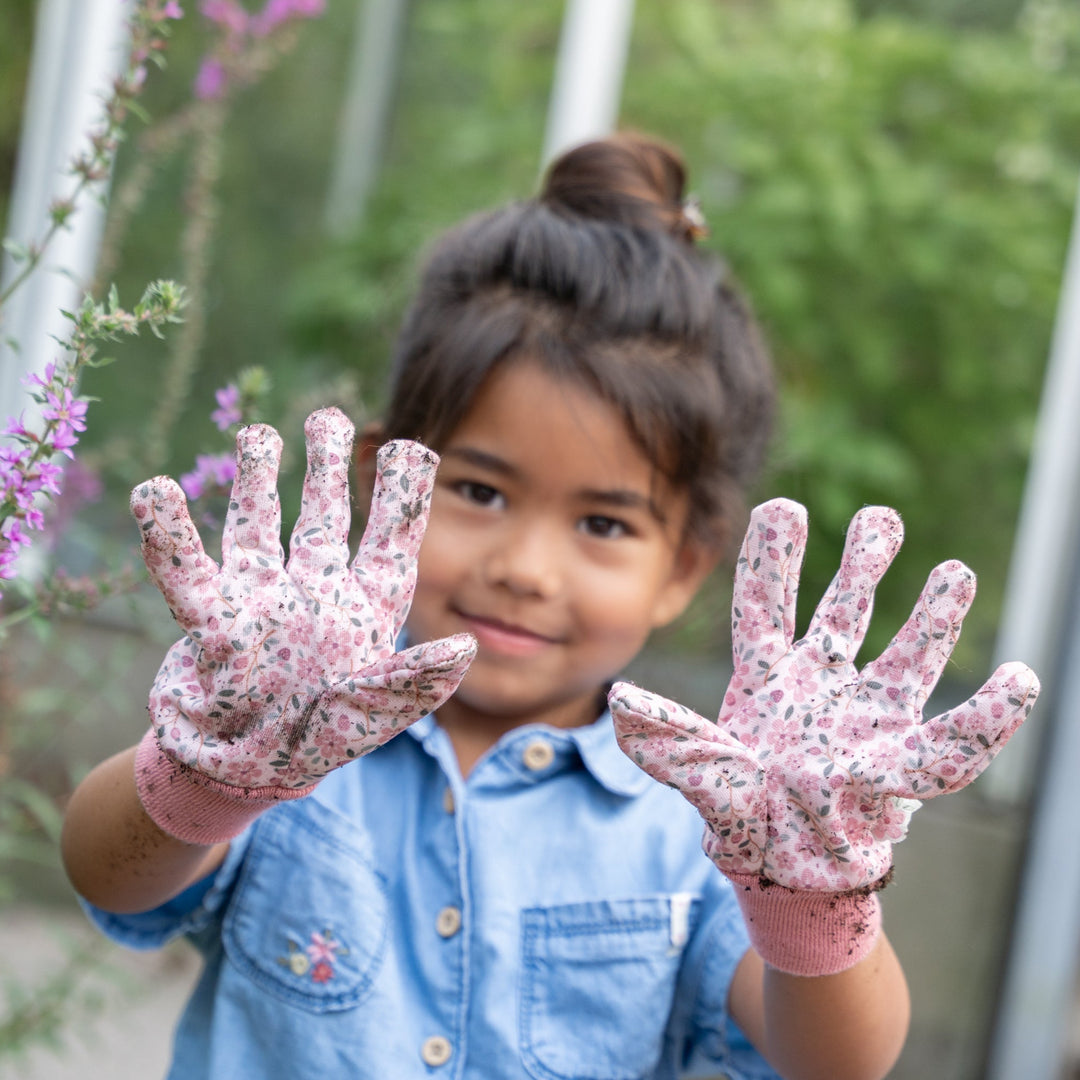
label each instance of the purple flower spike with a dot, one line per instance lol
(228, 412)
(211, 80)
(212, 471)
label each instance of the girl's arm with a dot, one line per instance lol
(115, 856)
(847, 1026)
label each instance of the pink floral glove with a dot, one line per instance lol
(807, 777)
(287, 670)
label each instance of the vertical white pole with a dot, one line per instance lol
(1037, 595)
(79, 48)
(365, 115)
(1041, 626)
(589, 68)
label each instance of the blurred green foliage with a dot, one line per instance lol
(892, 183)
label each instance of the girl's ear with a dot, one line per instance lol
(693, 563)
(365, 448)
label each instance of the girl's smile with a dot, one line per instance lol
(497, 636)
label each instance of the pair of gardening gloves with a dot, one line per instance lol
(288, 670)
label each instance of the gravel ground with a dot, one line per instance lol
(132, 999)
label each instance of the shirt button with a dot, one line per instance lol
(448, 922)
(436, 1050)
(538, 755)
(448, 800)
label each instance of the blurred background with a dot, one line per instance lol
(892, 183)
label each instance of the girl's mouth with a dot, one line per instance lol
(505, 639)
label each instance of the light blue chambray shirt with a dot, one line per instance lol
(552, 917)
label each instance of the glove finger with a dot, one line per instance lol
(949, 751)
(841, 619)
(766, 583)
(320, 538)
(253, 521)
(908, 670)
(386, 697)
(385, 562)
(172, 550)
(714, 771)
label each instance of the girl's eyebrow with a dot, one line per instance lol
(482, 459)
(617, 498)
(625, 499)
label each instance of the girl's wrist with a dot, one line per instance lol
(194, 808)
(807, 933)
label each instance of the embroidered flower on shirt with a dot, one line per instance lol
(316, 959)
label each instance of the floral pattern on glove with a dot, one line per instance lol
(808, 775)
(288, 670)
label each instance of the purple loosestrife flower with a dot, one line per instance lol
(277, 12)
(226, 13)
(81, 485)
(228, 411)
(27, 470)
(212, 472)
(211, 80)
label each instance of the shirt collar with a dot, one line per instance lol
(602, 756)
(595, 743)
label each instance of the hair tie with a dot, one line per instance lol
(692, 218)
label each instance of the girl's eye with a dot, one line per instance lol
(605, 528)
(478, 494)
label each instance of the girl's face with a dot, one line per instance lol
(556, 543)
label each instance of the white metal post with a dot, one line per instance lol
(366, 110)
(79, 47)
(1048, 534)
(1041, 626)
(593, 45)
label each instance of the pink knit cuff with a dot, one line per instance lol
(807, 933)
(194, 808)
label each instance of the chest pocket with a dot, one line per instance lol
(598, 983)
(308, 920)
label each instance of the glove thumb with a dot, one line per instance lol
(385, 698)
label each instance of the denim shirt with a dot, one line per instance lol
(552, 917)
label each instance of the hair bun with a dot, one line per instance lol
(628, 178)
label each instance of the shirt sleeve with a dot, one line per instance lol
(716, 1044)
(198, 909)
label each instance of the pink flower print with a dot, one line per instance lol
(308, 670)
(323, 948)
(854, 727)
(216, 648)
(274, 683)
(242, 773)
(332, 744)
(801, 683)
(753, 625)
(787, 735)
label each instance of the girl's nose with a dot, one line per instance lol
(525, 560)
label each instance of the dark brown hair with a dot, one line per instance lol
(598, 280)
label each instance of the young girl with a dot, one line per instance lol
(491, 886)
